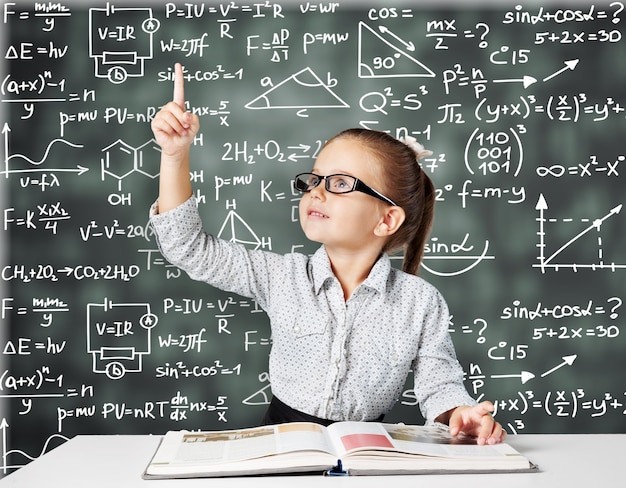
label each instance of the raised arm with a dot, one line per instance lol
(174, 130)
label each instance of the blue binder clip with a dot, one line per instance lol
(336, 470)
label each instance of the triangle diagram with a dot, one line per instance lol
(300, 91)
(260, 397)
(384, 60)
(235, 229)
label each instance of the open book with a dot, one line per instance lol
(355, 448)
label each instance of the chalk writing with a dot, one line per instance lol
(523, 108)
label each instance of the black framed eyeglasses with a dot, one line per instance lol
(339, 183)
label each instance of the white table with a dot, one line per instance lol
(117, 461)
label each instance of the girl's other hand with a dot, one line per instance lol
(478, 422)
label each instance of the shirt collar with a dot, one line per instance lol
(321, 271)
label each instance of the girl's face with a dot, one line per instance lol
(343, 221)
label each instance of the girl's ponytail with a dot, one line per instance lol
(414, 248)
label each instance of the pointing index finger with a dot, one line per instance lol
(179, 89)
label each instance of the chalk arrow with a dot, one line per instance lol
(3, 426)
(6, 130)
(567, 360)
(408, 45)
(294, 157)
(541, 203)
(524, 376)
(542, 206)
(302, 147)
(79, 170)
(526, 80)
(571, 65)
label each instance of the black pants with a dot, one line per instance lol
(280, 413)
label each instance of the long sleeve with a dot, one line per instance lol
(438, 374)
(229, 266)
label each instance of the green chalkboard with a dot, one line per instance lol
(523, 107)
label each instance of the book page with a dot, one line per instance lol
(226, 446)
(303, 436)
(436, 441)
(239, 445)
(354, 436)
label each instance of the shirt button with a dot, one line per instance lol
(296, 329)
(394, 357)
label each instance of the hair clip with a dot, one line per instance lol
(418, 149)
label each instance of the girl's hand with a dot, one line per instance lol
(174, 128)
(478, 422)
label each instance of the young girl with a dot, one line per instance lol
(347, 327)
